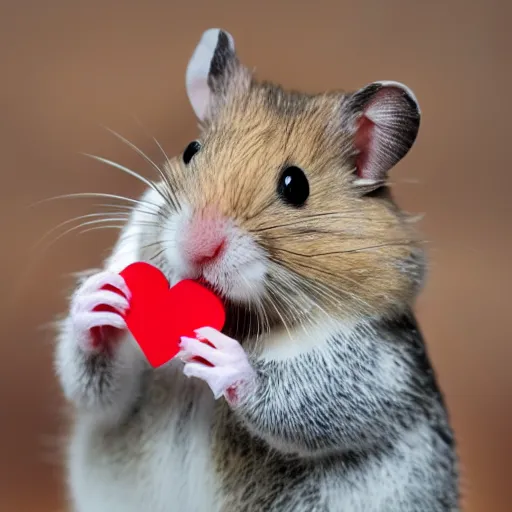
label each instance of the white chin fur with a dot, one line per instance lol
(239, 273)
(243, 283)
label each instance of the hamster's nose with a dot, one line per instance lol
(204, 239)
(206, 254)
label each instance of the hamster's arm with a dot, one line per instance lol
(349, 393)
(353, 394)
(102, 383)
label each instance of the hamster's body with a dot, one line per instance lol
(333, 406)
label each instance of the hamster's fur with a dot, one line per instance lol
(342, 411)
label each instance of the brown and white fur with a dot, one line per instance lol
(321, 396)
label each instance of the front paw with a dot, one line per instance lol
(97, 309)
(229, 367)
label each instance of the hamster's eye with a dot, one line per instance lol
(293, 186)
(190, 151)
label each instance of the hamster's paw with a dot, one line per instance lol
(228, 367)
(97, 308)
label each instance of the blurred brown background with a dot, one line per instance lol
(67, 68)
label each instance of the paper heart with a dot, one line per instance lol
(158, 315)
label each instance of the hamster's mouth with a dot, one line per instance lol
(242, 320)
(234, 310)
(212, 287)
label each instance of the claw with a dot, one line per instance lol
(86, 321)
(98, 305)
(230, 365)
(98, 281)
(218, 379)
(197, 348)
(219, 340)
(99, 298)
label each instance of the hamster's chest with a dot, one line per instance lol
(173, 408)
(160, 456)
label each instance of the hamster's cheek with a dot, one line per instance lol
(242, 272)
(248, 282)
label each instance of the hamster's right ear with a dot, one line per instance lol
(214, 72)
(384, 118)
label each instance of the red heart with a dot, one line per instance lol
(158, 315)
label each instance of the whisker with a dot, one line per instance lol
(328, 295)
(155, 256)
(154, 244)
(75, 228)
(237, 321)
(110, 226)
(278, 313)
(284, 294)
(36, 258)
(164, 154)
(289, 278)
(249, 329)
(346, 251)
(334, 213)
(162, 150)
(296, 312)
(261, 316)
(85, 195)
(341, 215)
(299, 232)
(352, 296)
(129, 172)
(170, 197)
(265, 316)
(168, 160)
(93, 222)
(120, 216)
(324, 272)
(137, 120)
(129, 209)
(169, 165)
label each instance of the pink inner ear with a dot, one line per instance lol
(385, 132)
(363, 140)
(200, 96)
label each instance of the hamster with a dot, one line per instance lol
(320, 395)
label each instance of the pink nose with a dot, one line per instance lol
(207, 254)
(205, 239)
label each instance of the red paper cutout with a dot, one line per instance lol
(159, 315)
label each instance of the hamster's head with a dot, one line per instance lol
(282, 203)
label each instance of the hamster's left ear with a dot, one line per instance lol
(384, 118)
(214, 73)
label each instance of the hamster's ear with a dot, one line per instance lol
(384, 118)
(213, 71)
